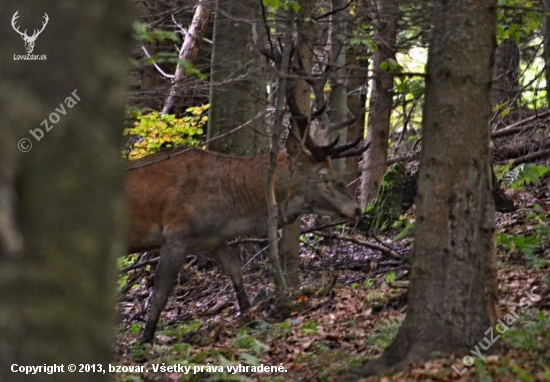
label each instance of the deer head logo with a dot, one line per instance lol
(29, 40)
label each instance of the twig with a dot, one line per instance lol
(256, 255)
(406, 158)
(382, 243)
(139, 265)
(365, 243)
(129, 284)
(334, 224)
(333, 11)
(326, 290)
(157, 66)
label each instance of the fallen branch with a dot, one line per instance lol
(364, 243)
(517, 127)
(531, 157)
(506, 153)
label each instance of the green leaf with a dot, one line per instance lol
(271, 3)
(294, 6)
(390, 277)
(310, 327)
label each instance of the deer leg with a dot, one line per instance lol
(172, 256)
(231, 265)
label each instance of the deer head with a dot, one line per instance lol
(29, 40)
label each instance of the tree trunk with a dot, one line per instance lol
(238, 87)
(57, 300)
(357, 92)
(546, 37)
(280, 275)
(290, 241)
(454, 236)
(338, 110)
(506, 75)
(188, 52)
(381, 100)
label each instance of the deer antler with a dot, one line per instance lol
(36, 31)
(13, 19)
(302, 122)
(44, 23)
(347, 150)
(320, 153)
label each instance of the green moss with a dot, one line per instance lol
(387, 207)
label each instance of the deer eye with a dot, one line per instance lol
(323, 174)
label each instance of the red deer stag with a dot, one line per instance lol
(190, 200)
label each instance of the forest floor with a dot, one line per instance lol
(350, 306)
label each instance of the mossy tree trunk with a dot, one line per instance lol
(381, 101)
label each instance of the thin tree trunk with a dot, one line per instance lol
(188, 52)
(357, 95)
(357, 86)
(546, 37)
(448, 310)
(290, 241)
(381, 101)
(57, 294)
(338, 110)
(281, 278)
(505, 74)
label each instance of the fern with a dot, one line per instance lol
(524, 175)
(385, 332)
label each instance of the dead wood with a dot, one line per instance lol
(364, 243)
(519, 126)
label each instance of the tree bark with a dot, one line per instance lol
(357, 95)
(290, 241)
(505, 74)
(281, 277)
(338, 110)
(57, 300)
(188, 52)
(381, 102)
(452, 259)
(238, 86)
(546, 39)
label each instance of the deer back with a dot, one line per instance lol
(205, 198)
